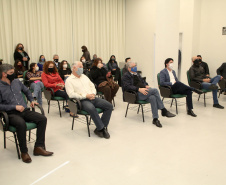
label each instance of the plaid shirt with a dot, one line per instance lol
(34, 75)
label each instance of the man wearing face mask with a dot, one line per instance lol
(12, 102)
(56, 60)
(168, 78)
(204, 65)
(80, 87)
(197, 73)
(132, 81)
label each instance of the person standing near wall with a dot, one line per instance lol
(20, 54)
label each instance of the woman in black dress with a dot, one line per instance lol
(21, 55)
(64, 70)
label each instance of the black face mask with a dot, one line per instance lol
(50, 70)
(20, 48)
(11, 77)
(83, 50)
(0, 63)
(197, 62)
(56, 60)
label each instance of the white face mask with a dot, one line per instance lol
(65, 66)
(171, 66)
(83, 60)
(37, 68)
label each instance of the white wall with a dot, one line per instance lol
(212, 42)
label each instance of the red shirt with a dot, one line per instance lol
(51, 81)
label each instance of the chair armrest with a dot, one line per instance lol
(40, 108)
(129, 96)
(74, 105)
(48, 93)
(4, 120)
(165, 91)
(196, 85)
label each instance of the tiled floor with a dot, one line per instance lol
(186, 151)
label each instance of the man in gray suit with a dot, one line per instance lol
(168, 78)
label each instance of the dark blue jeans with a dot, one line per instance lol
(90, 107)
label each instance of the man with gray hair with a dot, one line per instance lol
(132, 81)
(12, 102)
(56, 60)
(80, 87)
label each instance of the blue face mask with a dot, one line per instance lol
(79, 71)
(134, 69)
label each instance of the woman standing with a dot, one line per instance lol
(34, 76)
(86, 53)
(64, 70)
(21, 55)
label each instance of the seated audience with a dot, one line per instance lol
(79, 86)
(204, 65)
(94, 57)
(21, 55)
(198, 74)
(124, 70)
(222, 72)
(132, 81)
(168, 78)
(34, 76)
(19, 69)
(104, 80)
(115, 70)
(64, 70)
(12, 102)
(41, 62)
(56, 61)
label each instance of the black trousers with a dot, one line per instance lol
(180, 88)
(117, 74)
(62, 93)
(18, 119)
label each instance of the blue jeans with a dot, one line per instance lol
(215, 80)
(90, 107)
(37, 88)
(154, 99)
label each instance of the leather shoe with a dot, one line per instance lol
(168, 114)
(157, 123)
(213, 87)
(25, 157)
(198, 91)
(191, 113)
(99, 133)
(106, 134)
(41, 151)
(218, 106)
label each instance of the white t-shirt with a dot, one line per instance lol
(172, 79)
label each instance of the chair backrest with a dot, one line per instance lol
(25, 75)
(121, 72)
(158, 79)
(188, 77)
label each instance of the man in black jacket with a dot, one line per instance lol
(204, 65)
(132, 81)
(222, 71)
(197, 73)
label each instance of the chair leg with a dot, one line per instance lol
(73, 123)
(17, 147)
(171, 103)
(113, 102)
(138, 109)
(87, 120)
(48, 105)
(176, 105)
(59, 107)
(142, 112)
(4, 139)
(200, 95)
(29, 137)
(162, 98)
(127, 109)
(220, 91)
(205, 99)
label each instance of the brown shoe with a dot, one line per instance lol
(25, 157)
(41, 151)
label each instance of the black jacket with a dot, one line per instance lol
(64, 72)
(222, 70)
(98, 75)
(127, 82)
(197, 73)
(18, 56)
(205, 67)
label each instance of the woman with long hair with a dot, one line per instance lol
(115, 70)
(20, 54)
(19, 69)
(41, 62)
(64, 70)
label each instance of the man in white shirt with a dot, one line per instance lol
(80, 87)
(168, 78)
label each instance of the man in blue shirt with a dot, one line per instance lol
(12, 102)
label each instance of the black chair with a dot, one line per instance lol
(49, 95)
(6, 127)
(166, 92)
(75, 107)
(222, 85)
(197, 85)
(131, 98)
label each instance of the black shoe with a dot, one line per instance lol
(106, 134)
(99, 133)
(157, 123)
(198, 91)
(168, 114)
(191, 113)
(213, 87)
(218, 106)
